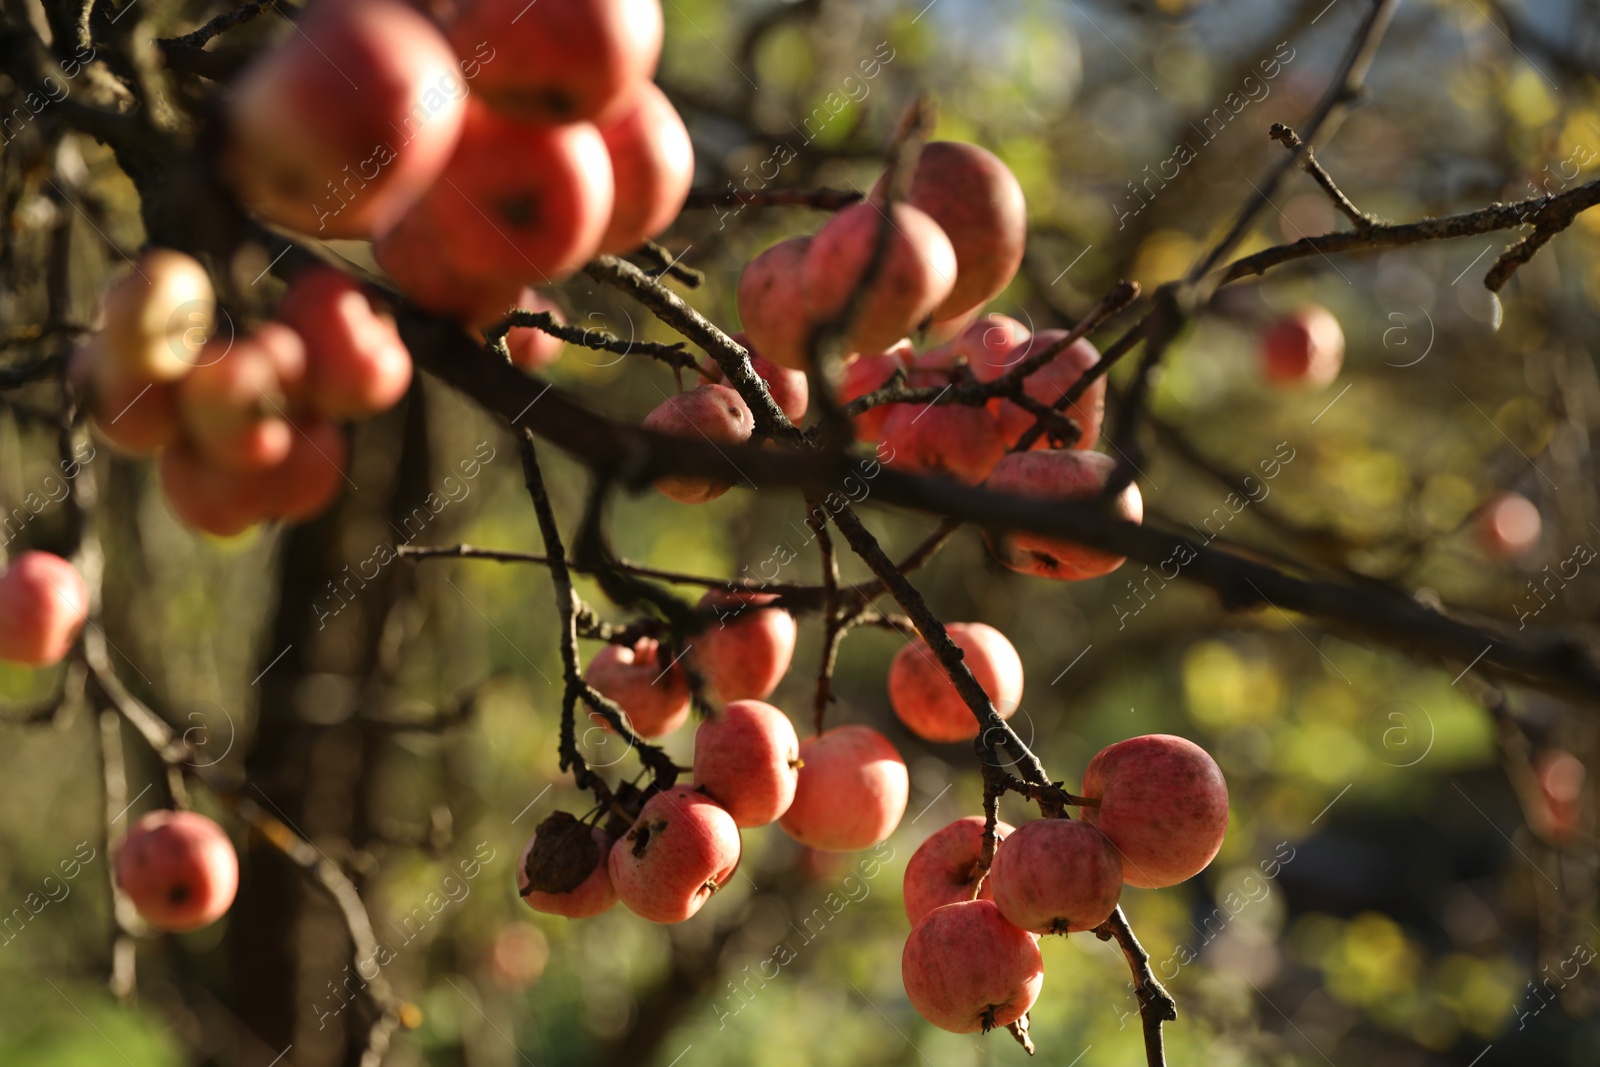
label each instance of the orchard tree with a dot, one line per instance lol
(693, 472)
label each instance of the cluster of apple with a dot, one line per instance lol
(361, 126)
(44, 603)
(247, 427)
(179, 869)
(1155, 811)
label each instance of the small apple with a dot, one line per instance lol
(771, 306)
(852, 790)
(1509, 526)
(926, 700)
(179, 869)
(644, 682)
(1304, 348)
(966, 969)
(652, 161)
(711, 413)
(747, 758)
(1056, 876)
(44, 604)
(943, 869)
(745, 650)
(1059, 474)
(681, 849)
(357, 364)
(1163, 804)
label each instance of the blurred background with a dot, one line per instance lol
(1380, 898)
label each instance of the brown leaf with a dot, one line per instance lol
(564, 854)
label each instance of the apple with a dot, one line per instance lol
(1059, 474)
(340, 128)
(943, 869)
(852, 790)
(179, 869)
(1305, 347)
(410, 254)
(993, 345)
(1056, 876)
(209, 498)
(531, 349)
(926, 700)
(869, 374)
(1556, 810)
(652, 161)
(681, 849)
(966, 969)
(560, 61)
(644, 682)
(1049, 384)
(771, 307)
(952, 439)
(745, 650)
(136, 415)
(159, 317)
(715, 414)
(44, 604)
(1509, 526)
(233, 408)
(588, 898)
(310, 477)
(747, 758)
(978, 203)
(519, 202)
(357, 364)
(1163, 804)
(915, 275)
(789, 388)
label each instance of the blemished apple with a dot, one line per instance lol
(681, 849)
(852, 790)
(233, 407)
(869, 374)
(645, 683)
(560, 61)
(771, 306)
(652, 162)
(956, 440)
(943, 869)
(1163, 804)
(1049, 384)
(926, 700)
(1509, 526)
(968, 970)
(1304, 348)
(44, 604)
(978, 203)
(179, 869)
(521, 202)
(1059, 474)
(747, 758)
(158, 317)
(589, 898)
(356, 362)
(708, 413)
(343, 125)
(745, 650)
(915, 276)
(1056, 876)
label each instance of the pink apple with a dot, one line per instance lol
(943, 870)
(1163, 804)
(233, 408)
(44, 604)
(1509, 526)
(158, 317)
(1049, 384)
(926, 700)
(1056, 876)
(645, 683)
(652, 161)
(745, 650)
(1305, 348)
(747, 758)
(968, 970)
(713, 414)
(410, 254)
(951, 439)
(1060, 474)
(357, 364)
(179, 869)
(852, 791)
(867, 375)
(683, 848)
(311, 476)
(772, 307)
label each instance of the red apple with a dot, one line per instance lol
(310, 477)
(916, 273)
(747, 758)
(869, 374)
(925, 698)
(993, 345)
(943, 870)
(215, 501)
(683, 848)
(560, 60)
(159, 317)
(179, 869)
(339, 129)
(952, 439)
(744, 651)
(1163, 804)
(519, 202)
(1305, 347)
(771, 306)
(1059, 474)
(44, 604)
(852, 791)
(591, 897)
(713, 414)
(233, 408)
(1056, 876)
(357, 364)
(966, 969)
(652, 161)
(1049, 384)
(410, 254)
(1509, 526)
(645, 683)
(133, 413)
(1556, 809)
(978, 203)
(789, 388)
